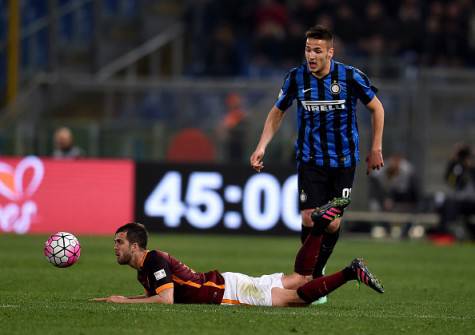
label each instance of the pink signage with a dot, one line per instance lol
(82, 197)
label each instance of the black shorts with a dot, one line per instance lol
(318, 185)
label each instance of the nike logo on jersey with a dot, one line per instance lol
(323, 105)
(305, 91)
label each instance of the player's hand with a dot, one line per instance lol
(256, 160)
(99, 299)
(374, 161)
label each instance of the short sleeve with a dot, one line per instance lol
(288, 92)
(363, 88)
(159, 274)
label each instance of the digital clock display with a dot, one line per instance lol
(219, 198)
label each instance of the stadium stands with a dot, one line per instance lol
(56, 37)
(382, 36)
(249, 38)
(420, 55)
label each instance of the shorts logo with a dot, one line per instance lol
(335, 88)
(303, 196)
(160, 274)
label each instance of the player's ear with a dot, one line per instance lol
(330, 53)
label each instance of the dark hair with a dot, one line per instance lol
(136, 233)
(320, 33)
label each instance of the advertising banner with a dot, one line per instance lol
(82, 197)
(217, 198)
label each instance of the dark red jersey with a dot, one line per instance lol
(160, 271)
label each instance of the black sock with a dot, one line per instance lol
(304, 233)
(326, 249)
(320, 224)
(348, 273)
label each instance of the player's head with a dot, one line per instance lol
(318, 49)
(129, 238)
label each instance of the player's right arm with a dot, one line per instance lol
(274, 119)
(272, 124)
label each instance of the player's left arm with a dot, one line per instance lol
(137, 296)
(129, 297)
(164, 297)
(108, 299)
(374, 159)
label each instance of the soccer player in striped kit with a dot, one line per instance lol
(327, 145)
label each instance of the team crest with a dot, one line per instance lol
(335, 88)
(303, 196)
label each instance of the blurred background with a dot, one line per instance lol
(192, 81)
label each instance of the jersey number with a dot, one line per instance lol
(346, 193)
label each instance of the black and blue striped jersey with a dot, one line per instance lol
(326, 113)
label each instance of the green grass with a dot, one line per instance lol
(429, 290)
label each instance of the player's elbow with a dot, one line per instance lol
(375, 106)
(276, 115)
(165, 297)
(169, 300)
(162, 300)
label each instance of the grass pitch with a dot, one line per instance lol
(429, 289)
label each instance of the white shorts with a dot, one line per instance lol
(240, 289)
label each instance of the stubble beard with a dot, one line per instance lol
(123, 260)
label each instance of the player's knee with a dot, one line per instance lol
(303, 279)
(300, 280)
(333, 226)
(295, 280)
(306, 218)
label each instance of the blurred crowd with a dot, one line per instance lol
(254, 38)
(395, 188)
(458, 203)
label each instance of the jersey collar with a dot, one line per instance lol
(142, 261)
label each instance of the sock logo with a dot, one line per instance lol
(303, 196)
